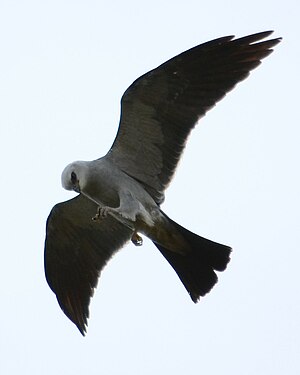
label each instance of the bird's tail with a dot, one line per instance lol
(197, 263)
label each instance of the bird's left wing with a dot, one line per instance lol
(160, 108)
(76, 250)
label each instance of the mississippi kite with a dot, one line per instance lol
(123, 190)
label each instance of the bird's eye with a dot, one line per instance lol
(73, 177)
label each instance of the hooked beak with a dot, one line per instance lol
(76, 187)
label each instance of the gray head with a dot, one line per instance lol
(74, 176)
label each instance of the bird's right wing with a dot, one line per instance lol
(76, 250)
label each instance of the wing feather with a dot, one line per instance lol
(76, 250)
(161, 107)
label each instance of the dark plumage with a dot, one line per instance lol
(126, 187)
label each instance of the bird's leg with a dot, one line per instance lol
(126, 213)
(136, 239)
(128, 209)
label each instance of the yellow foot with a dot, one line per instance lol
(136, 239)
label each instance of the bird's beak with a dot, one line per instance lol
(76, 187)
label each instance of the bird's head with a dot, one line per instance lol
(74, 176)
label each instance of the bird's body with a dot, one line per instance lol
(113, 191)
(123, 190)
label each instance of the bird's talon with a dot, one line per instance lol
(136, 239)
(101, 213)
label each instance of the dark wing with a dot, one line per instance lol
(161, 107)
(76, 250)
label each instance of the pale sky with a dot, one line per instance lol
(64, 66)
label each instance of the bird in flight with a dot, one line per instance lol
(120, 195)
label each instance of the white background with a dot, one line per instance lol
(64, 66)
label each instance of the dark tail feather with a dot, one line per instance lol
(196, 269)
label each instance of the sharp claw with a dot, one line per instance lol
(101, 213)
(95, 218)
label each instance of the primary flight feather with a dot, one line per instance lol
(123, 190)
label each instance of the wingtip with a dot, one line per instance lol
(82, 326)
(82, 330)
(257, 37)
(265, 34)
